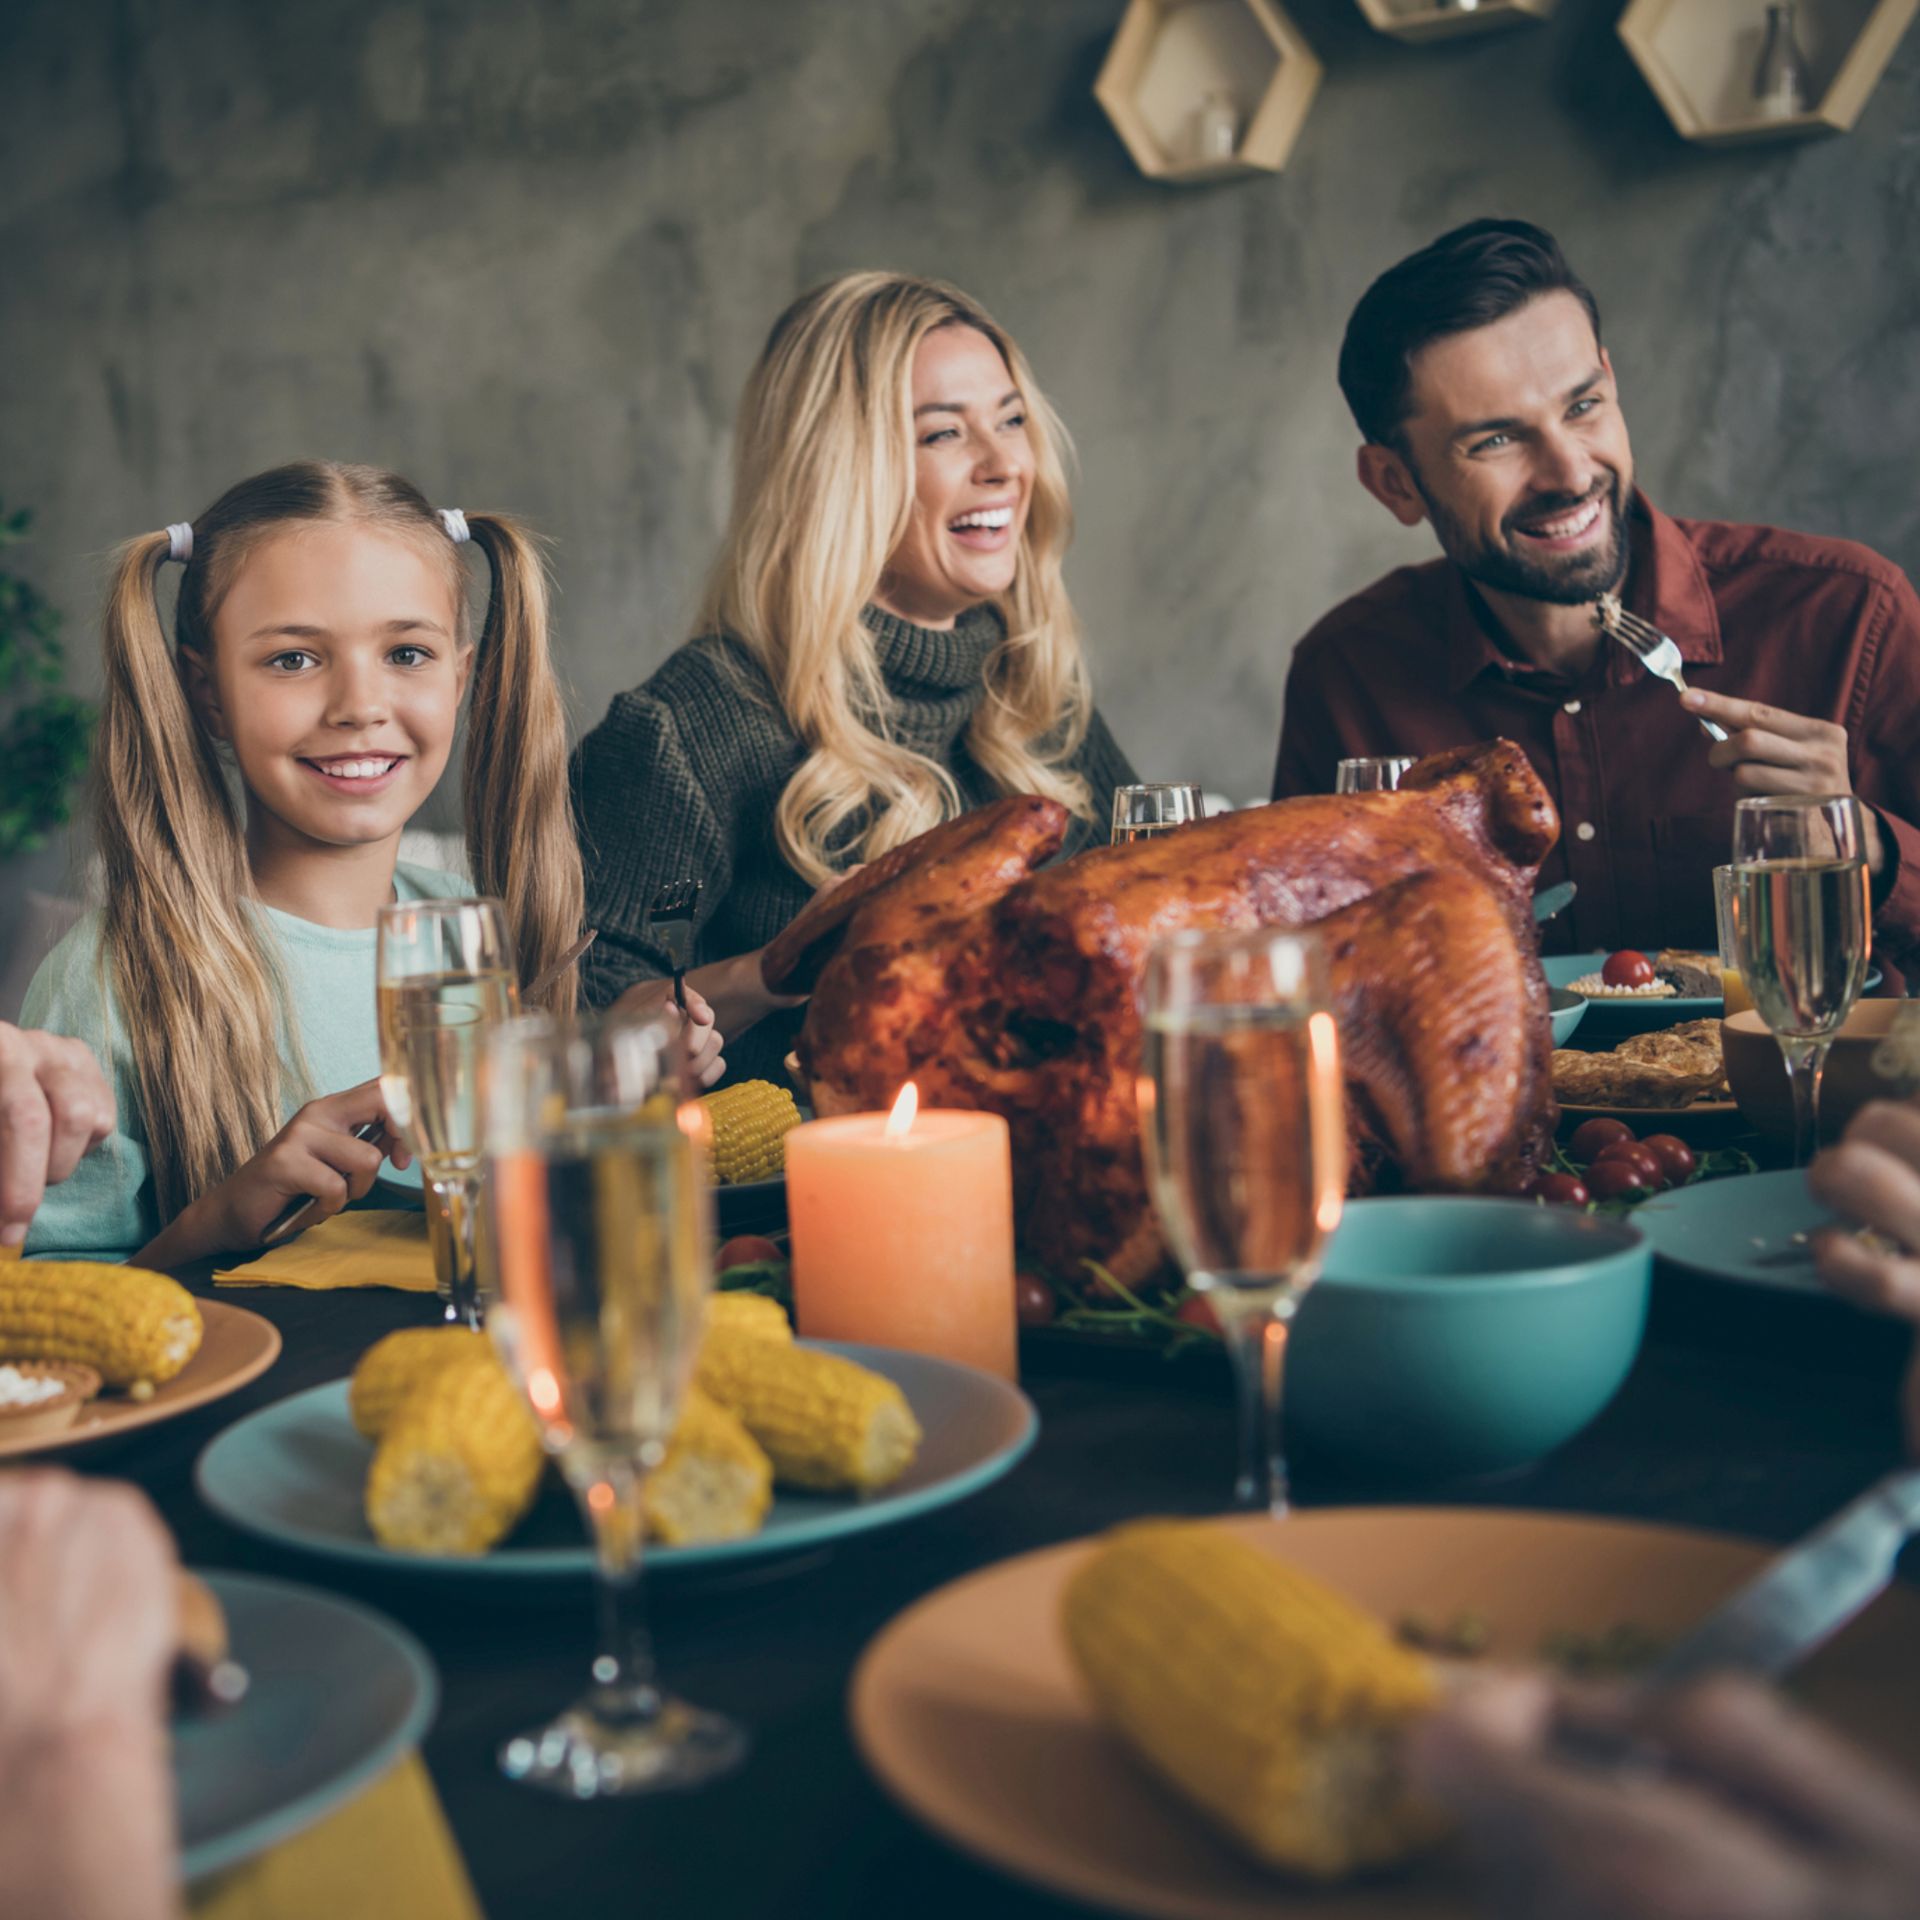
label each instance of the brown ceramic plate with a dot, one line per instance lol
(237, 1346)
(968, 1711)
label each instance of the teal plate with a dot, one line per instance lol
(337, 1695)
(293, 1474)
(1611, 1020)
(1753, 1228)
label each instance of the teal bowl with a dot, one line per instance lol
(1567, 1010)
(1458, 1337)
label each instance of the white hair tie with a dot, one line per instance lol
(455, 523)
(180, 541)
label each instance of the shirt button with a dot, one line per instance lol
(1572, 706)
(1585, 830)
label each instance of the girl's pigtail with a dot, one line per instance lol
(519, 816)
(194, 989)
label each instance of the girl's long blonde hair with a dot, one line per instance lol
(823, 495)
(188, 955)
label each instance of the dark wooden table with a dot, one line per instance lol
(1749, 1413)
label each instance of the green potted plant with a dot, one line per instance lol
(45, 732)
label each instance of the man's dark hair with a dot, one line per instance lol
(1468, 278)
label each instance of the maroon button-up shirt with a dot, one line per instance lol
(1819, 627)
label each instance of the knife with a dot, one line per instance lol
(1805, 1596)
(1551, 900)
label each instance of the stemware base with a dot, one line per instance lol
(586, 1757)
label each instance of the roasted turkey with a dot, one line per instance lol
(961, 961)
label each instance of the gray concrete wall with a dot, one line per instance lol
(525, 253)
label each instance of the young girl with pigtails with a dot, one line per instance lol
(253, 781)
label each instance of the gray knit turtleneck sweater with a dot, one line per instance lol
(680, 781)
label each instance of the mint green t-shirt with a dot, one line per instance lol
(106, 1210)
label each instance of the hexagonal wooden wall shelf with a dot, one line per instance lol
(1178, 70)
(1424, 20)
(1700, 58)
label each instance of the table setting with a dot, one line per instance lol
(831, 1493)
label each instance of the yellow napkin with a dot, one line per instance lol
(385, 1856)
(363, 1247)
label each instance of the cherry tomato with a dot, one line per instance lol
(1627, 969)
(1615, 1179)
(1590, 1136)
(1653, 1174)
(745, 1250)
(1561, 1190)
(1033, 1301)
(1676, 1158)
(1197, 1311)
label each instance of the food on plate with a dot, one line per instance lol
(1590, 1136)
(1561, 1190)
(1627, 969)
(136, 1329)
(1265, 1699)
(1675, 1067)
(40, 1398)
(962, 961)
(828, 1425)
(458, 1463)
(747, 1250)
(458, 1457)
(750, 1125)
(393, 1367)
(1673, 973)
(748, 1313)
(716, 1482)
(1695, 976)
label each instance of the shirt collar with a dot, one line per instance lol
(1665, 584)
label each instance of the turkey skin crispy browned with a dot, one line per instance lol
(998, 983)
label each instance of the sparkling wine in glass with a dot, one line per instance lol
(1244, 1120)
(1145, 812)
(1378, 774)
(442, 1047)
(432, 955)
(1803, 920)
(599, 1202)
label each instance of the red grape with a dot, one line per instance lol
(1033, 1301)
(1676, 1158)
(1653, 1173)
(1561, 1190)
(1615, 1179)
(1591, 1136)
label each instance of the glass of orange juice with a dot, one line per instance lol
(1732, 986)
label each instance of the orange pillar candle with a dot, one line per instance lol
(903, 1233)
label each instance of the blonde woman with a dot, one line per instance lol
(886, 642)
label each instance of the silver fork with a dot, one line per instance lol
(1650, 647)
(669, 925)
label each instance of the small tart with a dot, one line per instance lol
(1591, 986)
(52, 1413)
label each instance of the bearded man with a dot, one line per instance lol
(1488, 407)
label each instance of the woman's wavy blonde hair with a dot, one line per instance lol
(823, 496)
(191, 963)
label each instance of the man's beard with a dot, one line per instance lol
(1568, 580)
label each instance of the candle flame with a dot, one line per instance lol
(900, 1120)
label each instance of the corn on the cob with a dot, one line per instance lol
(134, 1328)
(826, 1424)
(748, 1314)
(458, 1464)
(392, 1368)
(750, 1122)
(1270, 1702)
(716, 1482)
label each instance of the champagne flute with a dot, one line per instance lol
(600, 1205)
(432, 953)
(1371, 775)
(1141, 813)
(441, 1047)
(1244, 1121)
(1803, 916)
